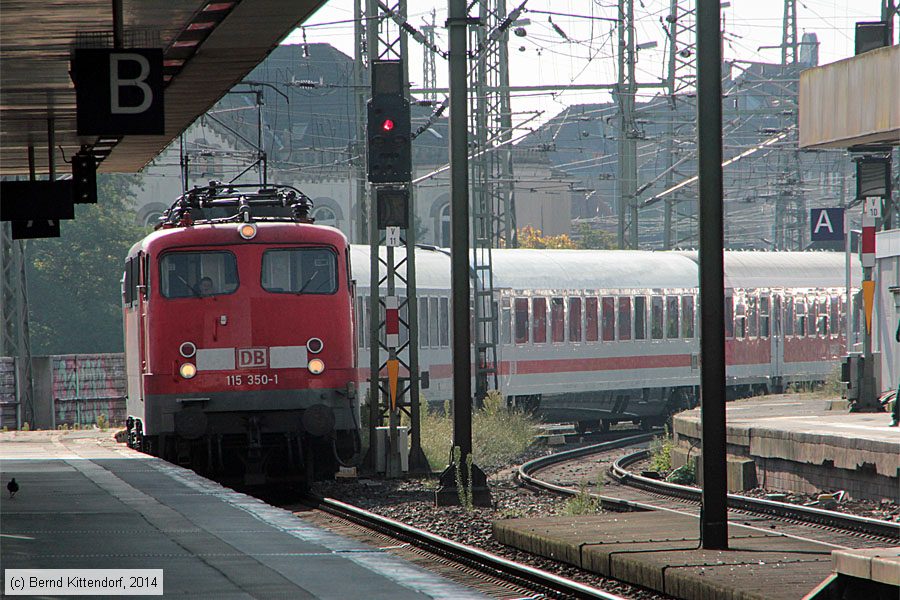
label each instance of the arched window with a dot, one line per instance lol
(327, 212)
(325, 216)
(149, 214)
(444, 226)
(151, 219)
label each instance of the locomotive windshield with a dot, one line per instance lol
(300, 271)
(197, 274)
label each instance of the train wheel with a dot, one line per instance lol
(646, 424)
(604, 426)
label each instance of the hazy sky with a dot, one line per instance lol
(587, 53)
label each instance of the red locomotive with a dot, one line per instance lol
(239, 337)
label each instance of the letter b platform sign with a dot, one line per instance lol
(119, 92)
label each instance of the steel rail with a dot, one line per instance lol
(485, 562)
(853, 523)
(807, 514)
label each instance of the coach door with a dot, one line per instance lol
(777, 342)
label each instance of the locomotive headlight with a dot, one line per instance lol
(187, 370)
(316, 366)
(314, 345)
(247, 230)
(187, 349)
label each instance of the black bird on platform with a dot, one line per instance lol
(13, 487)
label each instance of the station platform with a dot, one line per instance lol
(661, 551)
(790, 442)
(85, 502)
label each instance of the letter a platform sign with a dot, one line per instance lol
(119, 92)
(826, 224)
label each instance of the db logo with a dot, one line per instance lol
(252, 358)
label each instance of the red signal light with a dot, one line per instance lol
(387, 125)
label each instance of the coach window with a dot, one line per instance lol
(672, 317)
(624, 318)
(445, 321)
(591, 323)
(424, 338)
(788, 321)
(435, 324)
(181, 274)
(687, 316)
(800, 316)
(608, 318)
(656, 317)
(740, 320)
(753, 316)
(539, 320)
(812, 314)
(834, 315)
(574, 319)
(505, 320)
(764, 316)
(640, 317)
(822, 317)
(300, 271)
(729, 316)
(521, 310)
(557, 320)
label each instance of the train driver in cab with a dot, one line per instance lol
(207, 287)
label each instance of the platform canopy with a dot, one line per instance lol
(852, 102)
(208, 46)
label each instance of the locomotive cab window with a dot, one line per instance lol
(128, 284)
(300, 271)
(197, 274)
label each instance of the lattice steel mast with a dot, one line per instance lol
(626, 90)
(493, 211)
(386, 39)
(681, 84)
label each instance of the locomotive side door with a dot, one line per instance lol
(142, 307)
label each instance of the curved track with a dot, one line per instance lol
(658, 495)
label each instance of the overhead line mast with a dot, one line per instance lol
(393, 319)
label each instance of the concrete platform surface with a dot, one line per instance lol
(800, 444)
(86, 502)
(661, 551)
(876, 564)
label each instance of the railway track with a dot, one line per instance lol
(503, 573)
(630, 491)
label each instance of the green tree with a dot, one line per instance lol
(588, 238)
(74, 289)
